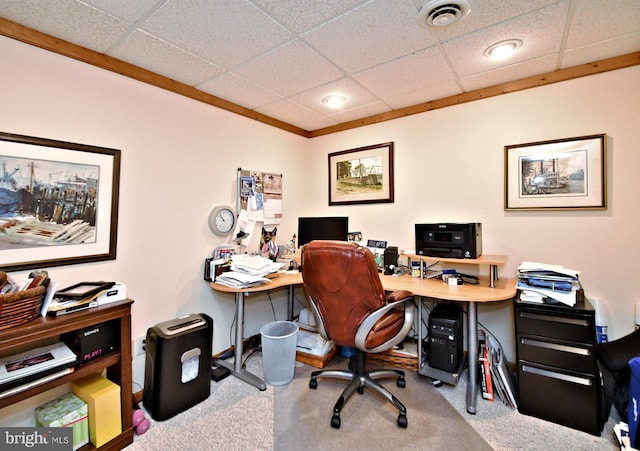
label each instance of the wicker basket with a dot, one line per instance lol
(21, 306)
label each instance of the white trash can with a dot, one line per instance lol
(279, 340)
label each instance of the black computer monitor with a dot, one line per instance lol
(322, 228)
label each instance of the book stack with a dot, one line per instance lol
(542, 283)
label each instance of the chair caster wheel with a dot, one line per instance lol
(401, 382)
(402, 421)
(360, 390)
(335, 421)
(313, 383)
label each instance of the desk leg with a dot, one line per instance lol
(290, 303)
(472, 353)
(236, 369)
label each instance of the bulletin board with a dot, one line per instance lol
(260, 196)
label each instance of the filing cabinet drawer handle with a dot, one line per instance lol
(556, 375)
(555, 346)
(556, 319)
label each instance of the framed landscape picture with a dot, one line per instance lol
(361, 176)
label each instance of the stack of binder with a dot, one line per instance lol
(543, 283)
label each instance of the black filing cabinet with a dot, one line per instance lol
(559, 377)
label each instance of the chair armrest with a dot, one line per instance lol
(396, 298)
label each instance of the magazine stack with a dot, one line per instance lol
(548, 284)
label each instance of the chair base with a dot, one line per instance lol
(359, 379)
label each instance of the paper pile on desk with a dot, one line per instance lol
(235, 279)
(254, 265)
(248, 271)
(539, 281)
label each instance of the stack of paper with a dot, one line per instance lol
(236, 279)
(539, 281)
(248, 271)
(254, 265)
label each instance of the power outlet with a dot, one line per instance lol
(138, 346)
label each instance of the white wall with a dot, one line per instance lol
(449, 167)
(179, 159)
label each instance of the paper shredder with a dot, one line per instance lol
(177, 372)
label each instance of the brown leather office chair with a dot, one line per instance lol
(352, 309)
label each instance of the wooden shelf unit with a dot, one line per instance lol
(118, 363)
(492, 261)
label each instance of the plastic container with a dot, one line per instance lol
(279, 351)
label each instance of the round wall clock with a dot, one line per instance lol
(222, 220)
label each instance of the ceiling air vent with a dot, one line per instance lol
(442, 13)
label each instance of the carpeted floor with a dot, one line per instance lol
(237, 416)
(368, 422)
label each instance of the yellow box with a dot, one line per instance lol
(103, 398)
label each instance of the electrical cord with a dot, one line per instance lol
(251, 354)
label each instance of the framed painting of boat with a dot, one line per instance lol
(560, 174)
(58, 202)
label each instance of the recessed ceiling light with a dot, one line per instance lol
(442, 13)
(334, 101)
(503, 49)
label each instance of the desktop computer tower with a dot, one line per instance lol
(177, 372)
(445, 337)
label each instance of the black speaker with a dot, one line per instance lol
(445, 337)
(390, 258)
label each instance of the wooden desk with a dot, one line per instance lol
(502, 290)
(282, 280)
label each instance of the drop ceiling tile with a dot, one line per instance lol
(418, 70)
(601, 50)
(485, 13)
(374, 33)
(540, 31)
(594, 21)
(305, 69)
(301, 15)
(226, 32)
(163, 58)
(90, 28)
(509, 73)
(288, 111)
(236, 89)
(127, 10)
(256, 53)
(355, 94)
(424, 95)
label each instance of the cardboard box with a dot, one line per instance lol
(318, 361)
(66, 411)
(103, 399)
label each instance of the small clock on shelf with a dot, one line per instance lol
(222, 220)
